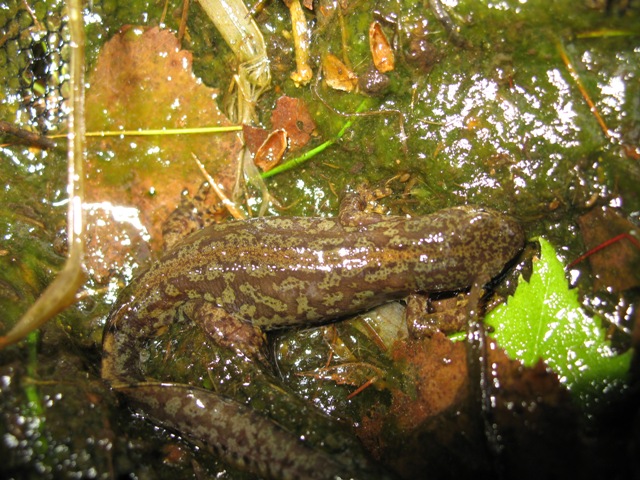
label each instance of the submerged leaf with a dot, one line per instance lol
(381, 50)
(337, 75)
(143, 80)
(544, 320)
(292, 115)
(616, 267)
(271, 151)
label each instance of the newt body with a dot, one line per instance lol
(241, 278)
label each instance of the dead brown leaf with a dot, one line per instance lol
(292, 115)
(381, 51)
(254, 137)
(142, 80)
(437, 425)
(617, 265)
(337, 75)
(292, 127)
(271, 151)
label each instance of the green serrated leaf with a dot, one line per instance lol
(544, 320)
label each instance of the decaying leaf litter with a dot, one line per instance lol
(143, 80)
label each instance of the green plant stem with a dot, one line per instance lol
(294, 162)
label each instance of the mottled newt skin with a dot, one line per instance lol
(240, 278)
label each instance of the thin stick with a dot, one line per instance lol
(62, 291)
(183, 20)
(229, 205)
(164, 12)
(603, 245)
(605, 33)
(362, 387)
(31, 138)
(576, 78)
(161, 131)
